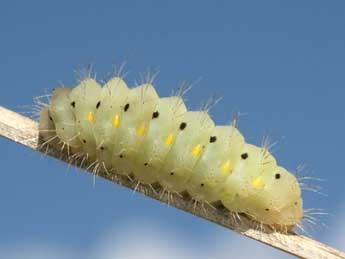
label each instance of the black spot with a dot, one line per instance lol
(267, 209)
(73, 104)
(121, 156)
(63, 128)
(277, 176)
(126, 107)
(296, 203)
(84, 141)
(102, 148)
(98, 104)
(202, 185)
(155, 115)
(50, 118)
(213, 139)
(244, 156)
(172, 173)
(145, 164)
(183, 125)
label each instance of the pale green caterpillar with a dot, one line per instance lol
(154, 140)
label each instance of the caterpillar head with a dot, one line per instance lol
(279, 202)
(286, 205)
(262, 190)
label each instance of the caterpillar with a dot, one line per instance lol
(155, 140)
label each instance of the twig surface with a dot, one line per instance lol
(24, 131)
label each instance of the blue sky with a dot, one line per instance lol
(281, 63)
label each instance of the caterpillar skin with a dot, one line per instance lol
(133, 132)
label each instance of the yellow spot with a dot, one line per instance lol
(257, 183)
(169, 139)
(141, 129)
(226, 168)
(116, 121)
(196, 151)
(90, 117)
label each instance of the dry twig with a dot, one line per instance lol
(25, 131)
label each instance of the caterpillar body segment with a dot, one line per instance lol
(109, 111)
(159, 138)
(83, 100)
(245, 185)
(46, 128)
(216, 164)
(63, 117)
(193, 134)
(136, 115)
(136, 133)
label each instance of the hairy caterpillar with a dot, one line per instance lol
(134, 132)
